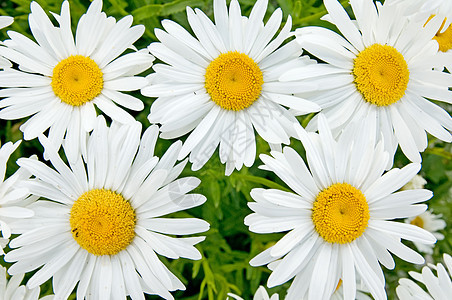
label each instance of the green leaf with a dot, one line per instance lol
(147, 11)
(196, 268)
(152, 10)
(260, 180)
(215, 192)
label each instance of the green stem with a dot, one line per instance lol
(318, 15)
(261, 180)
(440, 152)
(119, 8)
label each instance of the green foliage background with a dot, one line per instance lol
(229, 245)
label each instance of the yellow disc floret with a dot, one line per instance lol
(418, 221)
(77, 80)
(444, 38)
(381, 74)
(102, 222)
(340, 213)
(338, 284)
(233, 81)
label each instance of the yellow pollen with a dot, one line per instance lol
(102, 222)
(418, 221)
(381, 74)
(338, 284)
(340, 213)
(77, 80)
(233, 80)
(444, 39)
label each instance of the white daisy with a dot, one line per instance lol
(5, 21)
(443, 7)
(100, 224)
(423, 11)
(426, 220)
(439, 287)
(12, 194)
(223, 83)
(339, 218)
(12, 290)
(417, 182)
(431, 223)
(60, 80)
(261, 294)
(381, 71)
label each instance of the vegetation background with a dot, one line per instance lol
(229, 245)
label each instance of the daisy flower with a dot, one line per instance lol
(100, 220)
(12, 194)
(61, 80)
(12, 290)
(339, 218)
(424, 10)
(431, 223)
(439, 287)
(426, 220)
(261, 294)
(380, 71)
(443, 7)
(417, 182)
(223, 83)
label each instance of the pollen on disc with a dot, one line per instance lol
(77, 80)
(381, 74)
(340, 213)
(234, 81)
(102, 222)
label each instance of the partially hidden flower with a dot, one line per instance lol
(261, 294)
(13, 196)
(430, 222)
(11, 289)
(438, 287)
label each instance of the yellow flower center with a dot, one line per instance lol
(233, 81)
(444, 39)
(418, 221)
(338, 284)
(381, 74)
(340, 213)
(102, 222)
(77, 80)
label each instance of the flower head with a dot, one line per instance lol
(340, 215)
(430, 222)
(13, 196)
(99, 222)
(417, 182)
(61, 80)
(380, 71)
(424, 11)
(223, 83)
(439, 287)
(12, 290)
